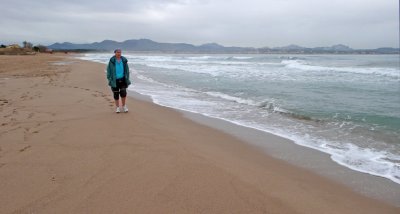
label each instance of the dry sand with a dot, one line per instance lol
(64, 150)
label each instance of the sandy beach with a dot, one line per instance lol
(64, 150)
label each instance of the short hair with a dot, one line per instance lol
(118, 49)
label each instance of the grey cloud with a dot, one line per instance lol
(368, 23)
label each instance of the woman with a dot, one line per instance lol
(118, 78)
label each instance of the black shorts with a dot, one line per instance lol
(121, 84)
(120, 90)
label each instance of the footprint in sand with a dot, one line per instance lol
(24, 96)
(3, 101)
(25, 148)
(31, 115)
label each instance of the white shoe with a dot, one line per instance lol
(125, 109)
(117, 110)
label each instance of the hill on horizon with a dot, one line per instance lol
(147, 45)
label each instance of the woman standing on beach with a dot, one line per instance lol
(118, 78)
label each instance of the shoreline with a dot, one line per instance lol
(352, 140)
(307, 158)
(282, 148)
(151, 156)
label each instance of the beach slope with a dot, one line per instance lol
(64, 150)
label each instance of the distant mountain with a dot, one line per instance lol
(290, 47)
(338, 47)
(147, 45)
(150, 46)
(388, 50)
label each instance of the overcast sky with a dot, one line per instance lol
(256, 23)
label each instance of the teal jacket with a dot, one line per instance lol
(111, 72)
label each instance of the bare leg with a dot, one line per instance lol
(123, 100)
(116, 103)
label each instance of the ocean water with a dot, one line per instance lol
(347, 106)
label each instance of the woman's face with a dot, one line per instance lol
(118, 53)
